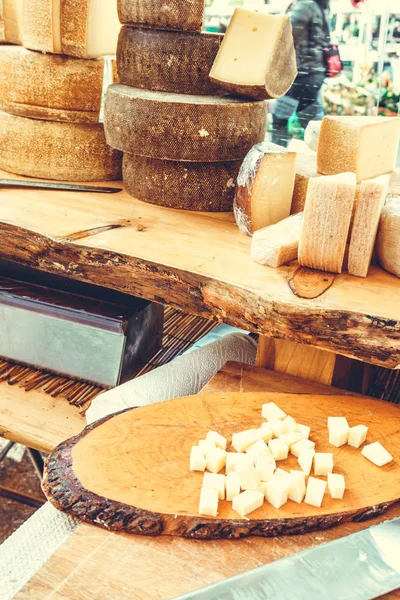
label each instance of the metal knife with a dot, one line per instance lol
(68, 187)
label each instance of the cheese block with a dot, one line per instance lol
(277, 244)
(366, 146)
(182, 127)
(177, 15)
(50, 87)
(306, 167)
(326, 223)
(257, 58)
(208, 187)
(388, 240)
(86, 29)
(167, 61)
(61, 151)
(371, 199)
(264, 187)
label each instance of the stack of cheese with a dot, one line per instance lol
(51, 87)
(183, 141)
(343, 201)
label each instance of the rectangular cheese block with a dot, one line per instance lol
(327, 216)
(208, 504)
(370, 201)
(215, 482)
(366, 146)
(232, 486)
(357, 435)
(338, 429)
(215, 460)
(247, 502)
(388, 239)
(336, 485)
(179, 15)
(88, 29)
(197, 459)
(271, 411)
(297, 487)
(279, 449)
(257, 58)
(249, 478)
(377, 454)
(277, 244)
(276, 492)
(323, 463)
(264, 188)
(315, 492)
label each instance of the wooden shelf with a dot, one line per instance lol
(200, 263)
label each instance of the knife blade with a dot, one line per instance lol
(360, 566)
(68, 187)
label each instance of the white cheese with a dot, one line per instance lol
(249, 479)
(315, 492)
(264, 470)
(265, 459)
(197, 459)
(258, 449)
(208, 502)
(232, 486)
(305, 460)
(276, 492)
(304, 431)
(357, 435)
(247, 502)
(301, 445)
(290, 424)
(278, 244)
(336, 485)
(244, 439)
(283, 476)
(266, 432)
(297, 487)
(215, 482)
(206, 446)
(279, 449)
(272, 411)
(218, 439)
(278, 427)
(338, 429)
(291, 438)
(377, 454)
(215, 460)
(323, 463)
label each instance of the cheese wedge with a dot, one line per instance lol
(371, 199)
(327, 217)
(388, 240)
(366, 146)
(257, 58)
(277, 244)
(264, 187)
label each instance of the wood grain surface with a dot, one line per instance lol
(130, 472)
(200, 263)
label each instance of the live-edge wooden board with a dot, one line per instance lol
(131, 472)
(199, 262)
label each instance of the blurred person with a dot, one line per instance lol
(311, 35)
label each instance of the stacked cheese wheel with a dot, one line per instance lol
(50, 103)
(183, 141)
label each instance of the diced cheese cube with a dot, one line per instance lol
(278, 427)
(304, 431)
(208, 502)
(249, 479)
(247, 502)
(323, 463)
(266, 432)
(279, 449)
(232, 485)
(298, 447)
(338, 429)
(336, 485)
(297, 487)
(263, 487)
(377, 454)
(264, 470)
(235, 460)
(276, 492)
(206, 446)
(244, 439)
(197, 460)
(231, 461)
(357, 435)
(290, 438)
(315, 492)
(290, 423)
(305, 460)
(272, 411)
(215, 482)
(215, 460)
(282, 476)
(257, 449)
(218, 439)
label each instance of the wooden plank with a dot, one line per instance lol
(200, 263)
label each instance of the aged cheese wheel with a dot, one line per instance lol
(50, 87)
(388, 240)
(61, 151)
(167, 61)
(84, 28)
(177, 15)
(182, 127)
(190, 186)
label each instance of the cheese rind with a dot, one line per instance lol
(60, 151)
(257, 58)
(277, 244)
(388, 240)
(181, 127)
(166, 61)
(176, 15)
(264, 187)
(377, 454)
(247, 502)
(366, 146)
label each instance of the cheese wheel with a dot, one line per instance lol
(50, 87)
(206, 187)
(167, 61)
(61, 151)
(177, 15)
(182, 127)
(86, 29)
(388, 240)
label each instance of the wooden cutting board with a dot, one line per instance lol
(130, 472)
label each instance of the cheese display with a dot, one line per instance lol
(278, 244)
(306, 168)
(50, 87)
(264, 187)
(327, 216)
(61, 151)
(182, 127)
(180, 15)
(167, 61)
(208, 187)
(86, 29)
(366, 146)
(370, 201)
(377, 454)
(388, 240)
(257, 58)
